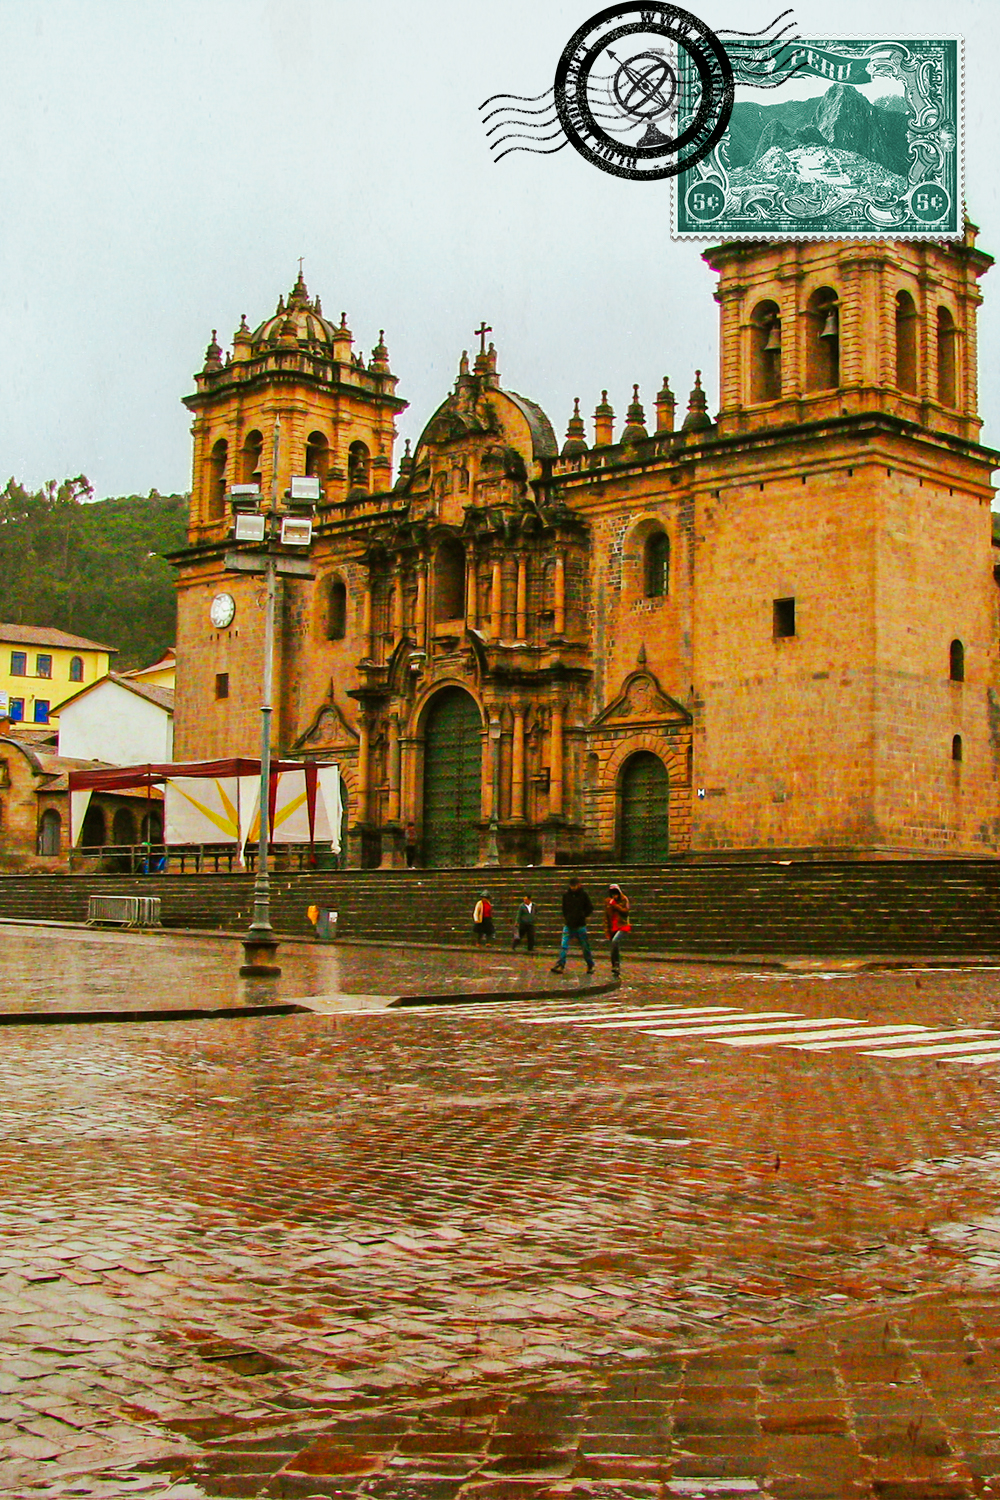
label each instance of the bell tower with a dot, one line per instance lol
(823, 329)
(846, 610)
(336, 413)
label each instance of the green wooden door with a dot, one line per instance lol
(453, 750)
(645, 810)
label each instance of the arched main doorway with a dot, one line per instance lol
(453, 750)
(645, 815)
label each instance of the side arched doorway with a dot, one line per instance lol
(644, 810)
(453, 749)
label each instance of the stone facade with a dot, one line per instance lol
(772, 631)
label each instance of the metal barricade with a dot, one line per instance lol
(123, 911)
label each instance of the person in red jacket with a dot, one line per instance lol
(616, 924)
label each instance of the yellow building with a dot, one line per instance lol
(773, 630)
(40, 668)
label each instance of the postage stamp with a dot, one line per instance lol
(863, 140)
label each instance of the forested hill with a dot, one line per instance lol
(93, 568)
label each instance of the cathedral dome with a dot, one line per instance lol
(298, 321)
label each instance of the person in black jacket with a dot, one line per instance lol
(576, 907)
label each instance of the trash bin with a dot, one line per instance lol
(326, 925)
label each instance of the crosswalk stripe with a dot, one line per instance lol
(649, 1012)
(717, 1023)
(765, 1030)
(880, 1035)
(937, 1049)
(921, 1034)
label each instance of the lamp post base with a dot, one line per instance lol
(259, 949)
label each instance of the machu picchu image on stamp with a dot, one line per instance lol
(863, 138)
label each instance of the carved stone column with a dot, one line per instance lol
(366, 621)
(556, 762)
(517, 769)
(496, 600)
(420, 623)
(559, 603)
(522, 597)
(471, 592)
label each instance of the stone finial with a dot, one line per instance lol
(213, 354)
(697, 419)
(380, 355)
(635, 428)
(604, 423)
(576, 435)
(666, 403)
(299, 292)
(640, 660)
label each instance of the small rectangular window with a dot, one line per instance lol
(41, 710)
(16, 710)
(43, 666)
(19, 663)
(784, 618)
(222, 684)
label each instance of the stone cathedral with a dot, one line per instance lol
(771, 631)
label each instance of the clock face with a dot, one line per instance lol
(222, 611)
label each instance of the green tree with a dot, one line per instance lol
(93, 568)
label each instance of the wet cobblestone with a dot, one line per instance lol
(445, 1253)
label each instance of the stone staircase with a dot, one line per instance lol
(932, 907)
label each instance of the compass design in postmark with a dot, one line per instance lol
(629, 75)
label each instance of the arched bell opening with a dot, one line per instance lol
(765, 352)
(317, 457)
(906, 343)
(946, 336)
(823, 340)
(217, 480)
(250, 459)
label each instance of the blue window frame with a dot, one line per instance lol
(16, 710)
(41, 710)
(19, 663)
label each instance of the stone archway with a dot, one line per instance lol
(644, 810)
(453, 750)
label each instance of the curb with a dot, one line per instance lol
(487, 997)
(194, 1013)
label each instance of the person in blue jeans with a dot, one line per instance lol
(576, 908)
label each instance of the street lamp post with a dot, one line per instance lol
(271, 530)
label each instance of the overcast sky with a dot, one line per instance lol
(166, 164)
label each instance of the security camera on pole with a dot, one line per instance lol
(269, 530)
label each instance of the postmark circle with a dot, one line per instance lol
(644, 89)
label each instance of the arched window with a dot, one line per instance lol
(49, 832)
(823, 340)
(656, 565)
(956, 747)
(906, 343)
(449, 580)
(95, 829)
(946, 357)
(336, 625)
(358, 467)
(76, 669)
(123, 827)
(217, 480)
(253, 447)
(317, 457)
(765, 353)
(956, 662)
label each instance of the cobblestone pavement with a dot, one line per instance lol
(490, 1252)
